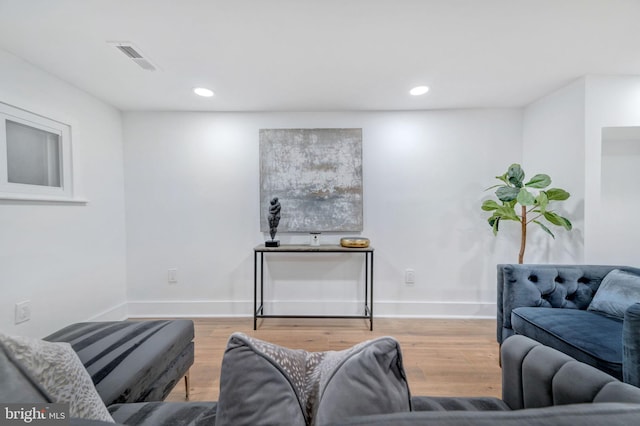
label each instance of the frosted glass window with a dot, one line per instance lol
(33, 155)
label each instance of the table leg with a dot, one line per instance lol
(371, 293)
(366, 282)
(261, 283)
(255, 289)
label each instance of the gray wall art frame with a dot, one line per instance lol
(316, 175)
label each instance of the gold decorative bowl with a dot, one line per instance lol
(358, 242)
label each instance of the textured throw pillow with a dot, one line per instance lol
(59, 371)
(618, 291)
(263, 383)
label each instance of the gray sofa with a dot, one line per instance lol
(541, 386)
(585, 311)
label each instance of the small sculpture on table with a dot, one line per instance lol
(274, 220)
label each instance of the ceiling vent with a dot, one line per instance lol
(132, 52)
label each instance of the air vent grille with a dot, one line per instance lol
(130, 52)
(135, 54)
(144, 64)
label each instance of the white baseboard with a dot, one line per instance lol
(190, 309)
(422, 309)
(390, 309)
(117, 313)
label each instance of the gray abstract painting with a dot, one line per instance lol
(317, 176)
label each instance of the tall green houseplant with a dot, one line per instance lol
(525, 203)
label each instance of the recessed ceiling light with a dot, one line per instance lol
(202, 91)
(420, 90)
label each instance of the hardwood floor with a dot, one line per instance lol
(442, 357)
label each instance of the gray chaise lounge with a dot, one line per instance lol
(132, 361)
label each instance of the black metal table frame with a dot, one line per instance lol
(258, 310)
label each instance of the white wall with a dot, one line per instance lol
(619, 195)
(610, 102)
(192, 197)
(553, 143)
(563, 136)
(69, 260)
(191, 189)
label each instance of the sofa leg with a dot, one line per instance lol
(186, 385)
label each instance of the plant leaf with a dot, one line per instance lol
(494, 221)
(558, 220)
(547, 230)
(490, 205)
(542, 201)
(566, 223)
(507, 212)
(557, 194)
(525, 198)
(515, 174)
(553, 218)
(494, 186)
(507, 193)
(539, 181)
(503, 178)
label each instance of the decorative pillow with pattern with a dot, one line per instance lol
(617, 292)
(263, 383)
(57, 368)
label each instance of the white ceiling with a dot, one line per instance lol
(315, 55)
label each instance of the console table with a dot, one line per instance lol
(259, 251)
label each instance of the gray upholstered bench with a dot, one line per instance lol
(132, 361)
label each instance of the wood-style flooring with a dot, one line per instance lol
(442, 357)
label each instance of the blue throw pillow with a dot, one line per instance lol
(618, 291)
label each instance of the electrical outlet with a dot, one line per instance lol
(172, 276)
(409, 276)
(23, 311)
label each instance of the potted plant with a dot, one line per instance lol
(525, 203)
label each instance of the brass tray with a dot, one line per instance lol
(358, 242)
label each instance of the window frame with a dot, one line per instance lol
(28, 192)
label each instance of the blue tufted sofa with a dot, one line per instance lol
(548, 303)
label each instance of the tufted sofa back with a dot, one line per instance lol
(551, 286)
(534, 375)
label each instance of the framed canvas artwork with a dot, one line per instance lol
(316, 175)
